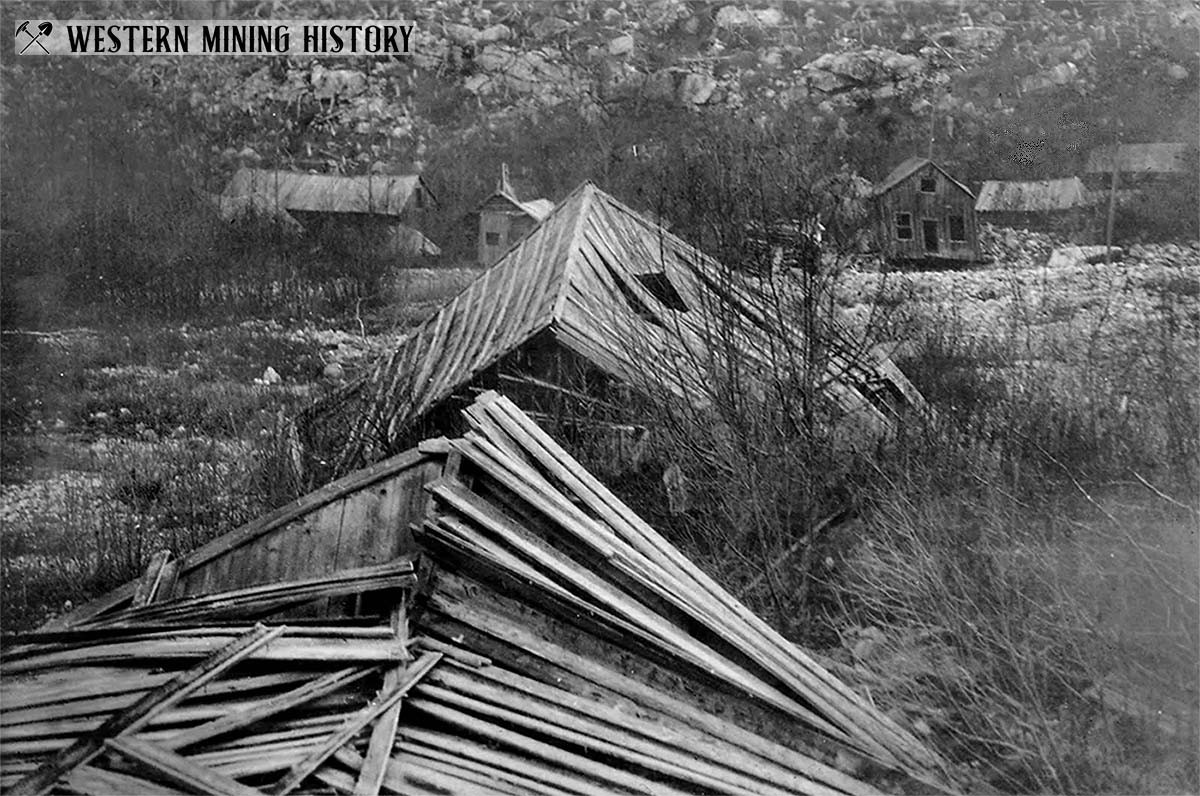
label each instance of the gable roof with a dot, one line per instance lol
(1039, 196)
(376, 194)
(1161, 158)
(583, 276)
(910, 167)
(537, 209)
(546, 616)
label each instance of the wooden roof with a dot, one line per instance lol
(377, 194)
(550, 641)
(910, 167)
(1041, 196)
(576, 277)
(1159, 158)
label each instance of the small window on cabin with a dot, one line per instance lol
(904, 227)
(929, 184)
(491, 238)
(419, 198)
(958, 228)
(661, 288)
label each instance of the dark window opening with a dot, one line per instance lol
(928, 185)
(929, 228)
(904, 228)
(419, 198)
(958, 228)
(492, 238)
(661, 288)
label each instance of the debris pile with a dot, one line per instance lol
(475, 614)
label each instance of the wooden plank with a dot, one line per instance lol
(383, 734)
(594, 674)
(231, 603)
(93, 781)
(175, 768)
(144, 710)
(689, 757)
(604, 775)
(147, 587)
(328, 650)
(856, 723)
(311, 690)
(297, 773)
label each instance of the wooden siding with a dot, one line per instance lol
(357, 522)
(949, 199)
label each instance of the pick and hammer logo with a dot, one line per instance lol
(30, 37)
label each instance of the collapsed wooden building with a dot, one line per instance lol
(475, 615)
(593, 301)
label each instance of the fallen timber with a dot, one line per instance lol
(475, 615)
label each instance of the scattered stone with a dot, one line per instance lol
(148, 435)
(461, 34)
(550, 26)
(622, 45)
(334, 372)
(179, 432)
(269, 376)
(1176, 73)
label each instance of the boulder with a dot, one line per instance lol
(1072, 256)
(1177, 73)
(733, 17)
(696, 89)
(497, 32)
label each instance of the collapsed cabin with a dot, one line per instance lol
(595, 303)
(477, 614)
(923, 214)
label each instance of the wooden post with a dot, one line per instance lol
(1112, 208)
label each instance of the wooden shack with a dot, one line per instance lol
(504, 219)
(477, 615)
(922, 214)
(369, 203)
(1063, 206)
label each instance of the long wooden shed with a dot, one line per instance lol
(922, 213)
(478, 614)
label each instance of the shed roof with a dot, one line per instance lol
(1039, 196)
(542, 621)
(1160, 158)
(910, 167)
(378, 194)
(576, 277)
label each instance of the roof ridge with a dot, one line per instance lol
(586, 191)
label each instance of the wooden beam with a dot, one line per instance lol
(311, 690)
(298, 772)
(383, 735)
(140, 713)
(178, 769)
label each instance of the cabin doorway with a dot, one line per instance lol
(929, 229)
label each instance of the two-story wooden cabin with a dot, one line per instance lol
(921, 213)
